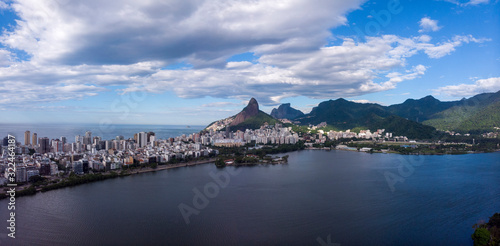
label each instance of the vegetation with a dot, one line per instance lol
(255, 122)
(421, 109)
(403, 127)
(485, 120)
(344, 114)
(481, 237)
(36, 178)
(487, 234)
(220, 162)
(477, 114)
(74, 179)
(242, 155)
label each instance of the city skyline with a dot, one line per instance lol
(131, 63)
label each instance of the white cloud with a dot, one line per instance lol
(81, 48)
(3, 5)
(445, 48)
(476, 2)
(427, 25)
(5, 58)
(467, 3)
(206, 32)
(466, 90)
(346, 70)
(361, 101)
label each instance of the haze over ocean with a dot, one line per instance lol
(53, 131)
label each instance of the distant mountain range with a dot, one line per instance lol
(412, 118)
(477, 114)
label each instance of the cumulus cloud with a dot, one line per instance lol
(346, 70)
(427, 24)
(5, 58)
(81, 48)
(466, 90)
(204, 31)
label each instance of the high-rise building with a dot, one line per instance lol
(57, 145)
(78, 167)
(44, 145)
(142, 139)
(45, 169)
(5, 141)
(34, 139)
(21, 174)
(27, 136)
(87, 139)
(149, 134)
(96, 140)
(108, 144)
(63, 140)
(78, 138)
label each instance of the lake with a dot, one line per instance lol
(319, 197)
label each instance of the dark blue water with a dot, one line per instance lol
(341, 195)
(106, 132)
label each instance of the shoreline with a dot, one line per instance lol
(395, 152)
(165, 167)
(108, 175)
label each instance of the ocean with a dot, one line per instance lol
(106, 132)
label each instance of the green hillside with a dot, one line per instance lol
(344, 114)
(403, 127)
(476, 114)
(485, 119)
(255, 122)
(421, 109)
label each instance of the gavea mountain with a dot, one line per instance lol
(251, 117)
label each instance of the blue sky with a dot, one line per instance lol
(195, 61)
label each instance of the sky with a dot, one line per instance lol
(196, 61)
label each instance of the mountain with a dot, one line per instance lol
(255, 122)
(344, 114)
(252, 109)
(402, 127)
(421, 109)
(251, 118)
(285, 111)
(487, 118)
(477, 114)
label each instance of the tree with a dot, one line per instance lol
(495, 220)
(481, 237)
(36, 178)
(220, 163)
